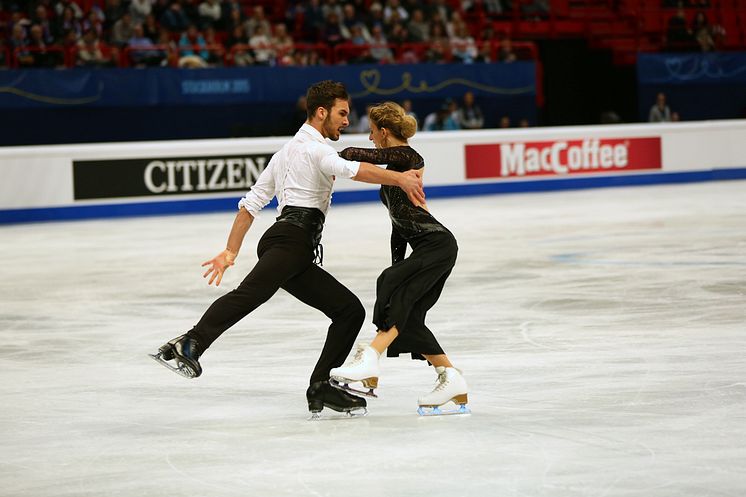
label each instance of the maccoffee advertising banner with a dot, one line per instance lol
(99, 179)
(562, 157)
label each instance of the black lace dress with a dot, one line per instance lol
(411, 286)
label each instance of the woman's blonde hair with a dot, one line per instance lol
(392, 116)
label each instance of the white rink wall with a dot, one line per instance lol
(120, 179)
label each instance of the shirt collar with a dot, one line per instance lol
(313, 132)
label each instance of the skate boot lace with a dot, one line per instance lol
(441, 382)
(358, 358)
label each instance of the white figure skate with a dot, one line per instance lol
(450, 387)
(362, 368)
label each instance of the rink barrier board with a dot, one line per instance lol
(194, 206)
(109, 180)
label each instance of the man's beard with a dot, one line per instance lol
(331, 132)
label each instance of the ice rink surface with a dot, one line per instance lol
(603, 334)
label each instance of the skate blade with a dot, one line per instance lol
(345, 387)
(332, 415)
(181, 370)
(437, 411)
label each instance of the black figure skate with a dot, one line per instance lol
(181, 355)
(321, 394)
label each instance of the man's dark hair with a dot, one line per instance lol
(324, 94)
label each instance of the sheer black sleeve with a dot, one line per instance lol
(398, 246)
(398, 158)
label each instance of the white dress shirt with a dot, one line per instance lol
(300, 174)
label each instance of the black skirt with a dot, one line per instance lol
(409, 288)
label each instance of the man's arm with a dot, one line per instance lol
(409, 181)
(227, 257)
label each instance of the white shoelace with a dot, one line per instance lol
(441, 382)
(358, 356)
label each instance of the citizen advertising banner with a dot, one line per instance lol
(561, 157)
(100, 179)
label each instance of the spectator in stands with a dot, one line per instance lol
(215, 49)
(237, 46)
(523, 123)
(91, 52)
(330, 6)
(418, 27)
(174, 19)
(437, 51)
(505, 122)
(169, 48)
(140, 10)
(408, 110)
(94, 22)
(363, 124)
(331, 34)
(122, 30)
(113, 11)
(375, 17)
(160, 7)
(18, 44)
(41, 19)
(60, 7)
(68, 23)
(18, 17)
(379, 49)
(484, 55)
(282, 42)
(463, 46)
(229, 5)
(398, 34)
(505, 51)
(148, 55)
(233, 18)
(261, 46)
(707, 35)
(193, 51)
(660, 112)
(453, 23)
(150, 27)
(314, 58)
(359, 35)
(441, 120)
(679, 37)
(210, 13)
(36, 53)
(394, 8)
(441, 9)
(437, 22)
(470, 115)
(257, 19)
(313, 20)
(351, 17)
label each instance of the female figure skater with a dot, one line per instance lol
(411, 286)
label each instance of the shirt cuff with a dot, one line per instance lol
(244, 203)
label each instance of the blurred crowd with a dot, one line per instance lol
(204, 33)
